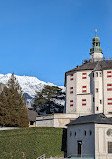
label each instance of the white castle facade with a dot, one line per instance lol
(89, 86)
(88, 90)
(89, 98)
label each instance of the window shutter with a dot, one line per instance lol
(109, 101)
(109, 87)
(84, 89)
(109, 73)
(83, 102)
(84, 75)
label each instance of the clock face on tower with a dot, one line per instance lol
(109, 132)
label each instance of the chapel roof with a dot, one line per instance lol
(94, 118)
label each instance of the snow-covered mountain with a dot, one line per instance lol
(30, 85)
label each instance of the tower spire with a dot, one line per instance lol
(96, 51)
(95, 32)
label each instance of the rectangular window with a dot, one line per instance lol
(109, 147)
(100, 101)
(71, 90)
(84, 75)
(84, 89)
(109, 87)
(109, 101)
(83, 102)
(96, 90)
(109, 73)
(96, 74)
(71, 77)
(71, 103)
(100, 74)
(96, 108)
(96, 44)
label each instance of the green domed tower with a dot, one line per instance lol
(96, 51)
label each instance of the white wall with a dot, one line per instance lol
(78, 95)
(91, 83)
(95, 56)
(87, 141)
(83, 82)
(101, 141)
(56, 120)
(98, 95)
(107, 94)
(45, 121)
(71, 83)
(84, 109)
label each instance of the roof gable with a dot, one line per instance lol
(99, 65)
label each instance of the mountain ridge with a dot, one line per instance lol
(29, 84)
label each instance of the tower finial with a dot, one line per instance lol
(95, 32)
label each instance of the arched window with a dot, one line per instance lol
(70, 133)
(90, 132)
(85, 132)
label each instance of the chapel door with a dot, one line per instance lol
(79, 145)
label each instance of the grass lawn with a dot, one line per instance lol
(30, 143)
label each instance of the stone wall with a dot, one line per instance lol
(55, 120)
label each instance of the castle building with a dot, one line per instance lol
(89, 86)
(89, 98)
(88, 89)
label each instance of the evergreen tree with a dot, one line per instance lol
(45, 101)
(13, 110)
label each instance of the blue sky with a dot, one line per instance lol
(46, 38)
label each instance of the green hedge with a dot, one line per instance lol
(30, 143)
